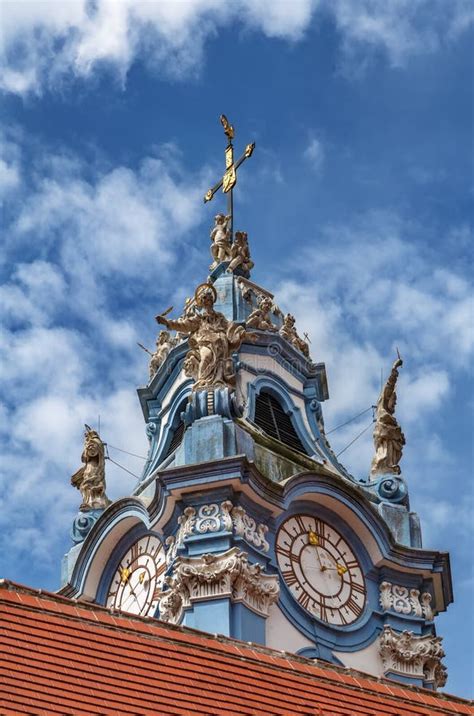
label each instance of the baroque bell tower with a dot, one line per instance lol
(244, 522)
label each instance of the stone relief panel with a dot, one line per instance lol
(212, 576)
(215, 517)
(404, 600)
(414, 656)
(246, 527)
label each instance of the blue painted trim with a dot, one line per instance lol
(164, 434)
(126, 508)
(116, 555)
(163, 378)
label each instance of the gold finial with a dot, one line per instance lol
(229, 179)
(228, 128)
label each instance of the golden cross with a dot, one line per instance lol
(229, 179)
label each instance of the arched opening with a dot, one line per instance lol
(271, 417)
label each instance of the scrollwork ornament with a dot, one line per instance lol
(208, 519)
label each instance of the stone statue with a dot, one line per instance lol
(240, 253)
(220, 237)
(388, 437)
(260, 317)
(90, 479)
(211, 339)
(288, 331)
(164, 343)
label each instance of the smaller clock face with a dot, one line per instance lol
(320, 570)
(136, 584)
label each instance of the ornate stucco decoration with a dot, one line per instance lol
(288, 331)
(215, 517)
(90, 479)
(404, 600)
(415, 656)
(246, 527)
(212, 576)
(260, 317)
(388, 437)
(164, 343)
(186, 523)
(212, 338)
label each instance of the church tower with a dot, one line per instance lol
(244, 523)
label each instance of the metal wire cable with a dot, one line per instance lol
(328, 432)
(122, 467)
(126, 452)
(356, 438)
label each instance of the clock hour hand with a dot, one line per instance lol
(314, 540)
(339, 568)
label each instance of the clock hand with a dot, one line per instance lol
(339, 568)
(314, 540)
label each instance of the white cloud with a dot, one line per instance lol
(44, 44)
(401, 28)
(314, 154)
(68, 349)
(367, 288)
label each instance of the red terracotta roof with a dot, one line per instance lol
(58, 656)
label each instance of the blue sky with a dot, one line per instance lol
(356, 201)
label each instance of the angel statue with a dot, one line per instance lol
(164, 343)
(212, 338)
(260, 317)
(288, 331)
(90, 479)
(220, 237)
(240, 253)
(388, 437)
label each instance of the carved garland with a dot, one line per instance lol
(405, 601)
(212, 576)
(414, 656)
(214, 518)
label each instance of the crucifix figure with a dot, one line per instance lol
(229, 179)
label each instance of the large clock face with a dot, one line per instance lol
(320, 570)
(136, 584)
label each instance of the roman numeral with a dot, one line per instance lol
(301, 524)
(358, 588)
(324, 612)
(354, 607)
(304, 599)
(284, 551)
(289, 577)
(161, 569)
(354, 564)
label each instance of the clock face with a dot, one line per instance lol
(320, 570)
(136, 584)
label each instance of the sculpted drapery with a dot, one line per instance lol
(90, 479)
(212, 338)
(388, 436)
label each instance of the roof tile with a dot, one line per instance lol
(59, 655)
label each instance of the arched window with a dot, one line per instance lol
(272, 419)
